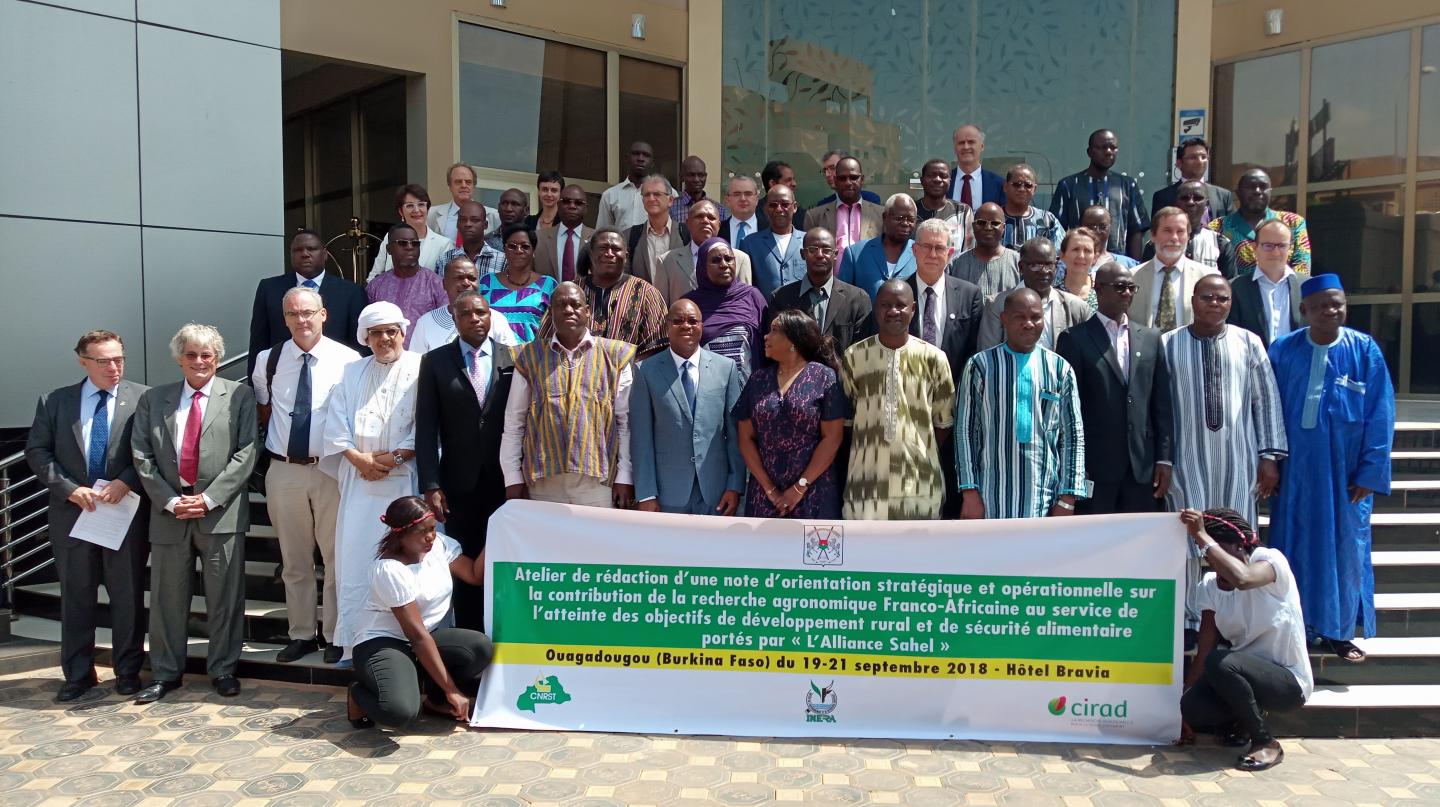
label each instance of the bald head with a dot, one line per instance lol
(682, 323)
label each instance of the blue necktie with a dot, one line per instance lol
(689, 384)
(99, 438)
(310, 284)
(740, 232)
(299, 447)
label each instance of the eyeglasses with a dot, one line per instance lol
(1024, 186)
(302, 315)
(903, 219)
(1038, 265)
(115, 362)
(933, 249)
(389, 333)
(519, 246)
(1273, 246)
(824, 252)
(405, 242)
(982, 224)
(1121, 287)
(415, 206)
(745, 194)
(1213, 298)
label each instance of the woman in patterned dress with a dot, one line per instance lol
(518, 291)
(791, 418)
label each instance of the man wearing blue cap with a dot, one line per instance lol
(1339, 420)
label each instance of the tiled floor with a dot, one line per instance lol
(291, 745)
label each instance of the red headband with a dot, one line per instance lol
(1249, 539)
(422, 517)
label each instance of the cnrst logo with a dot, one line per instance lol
(1086, 710)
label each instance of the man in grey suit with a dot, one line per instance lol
(675, 276)
(684, 447)
(81, 437)
(862, 218)
(194, 445)
(648, 241)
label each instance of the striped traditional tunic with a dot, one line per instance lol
(571, 425)
(900, 397)
(1019, 439)
(1227, 416)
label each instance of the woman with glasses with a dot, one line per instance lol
(548, 185)
(518, 291)
(412, 204)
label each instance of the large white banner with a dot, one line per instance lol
(1057, 629)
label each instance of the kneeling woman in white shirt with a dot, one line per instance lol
(397, 638)
(1249, 598)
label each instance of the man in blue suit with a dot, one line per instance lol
(887, 256)
(775, 258)
(684, 447)
(343, 299)
(969, 183)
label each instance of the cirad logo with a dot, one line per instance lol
(1088, 709)
(820, 702)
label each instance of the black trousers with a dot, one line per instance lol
(389, 676)
(1236, 688)
(82, 567)
(1123, 496)
(467, 522)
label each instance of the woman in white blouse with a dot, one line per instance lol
(399, 641)
(1249, 598)
(412, 204)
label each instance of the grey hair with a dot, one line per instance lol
(934, 225)
(194, 333)
(299, 290)
(661, 178)
(742, 178)
(980, 131)
(895, 200)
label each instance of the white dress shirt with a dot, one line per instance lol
(326, 369)
(752, 226)
(1275, 295)
(1119, 332)
(517, 409)
(318, 279)
(88, 393)
(182, 416)
(925, 316)
(975, 194)
(621, 206)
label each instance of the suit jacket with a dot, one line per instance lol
(669, 448)
(1221, 201)
(57, 453)
(343, 302)
(677, 273)
(449, 417)
(227, 457)
(638, 247)
(1142, 311)
(847, 312)
(1133, 417)
(960, 332)
(1247, 307)
(992, 187)
(824, 216)
(761, 225)
(770, 269)
(864, 264)
(547, 260)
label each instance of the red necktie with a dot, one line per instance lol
(965, 197)
(567, 263)
(190, 445)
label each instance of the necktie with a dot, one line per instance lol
(817, 304)
(478, 380)
(965, 196)
(567, 263)
(1165, 312)
(310, 284)
(689, 384)
(844, 237)
(299, 445)
(99, 438)
(190, 444)
(740, 232)
(931, 332)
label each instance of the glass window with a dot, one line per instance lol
(1257, 104)
(294, 156)
(527, 104)
(1359, 99)
(1429, 151)
(650, 111)
(331, 153)
(1425, 335)
(1381, 321)
(1427, 237)
(1356, 234)
(382, 170)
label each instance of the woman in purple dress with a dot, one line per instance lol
(791, 418)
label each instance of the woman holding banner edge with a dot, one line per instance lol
(1249, 598)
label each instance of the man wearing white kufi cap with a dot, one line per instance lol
(369, 442)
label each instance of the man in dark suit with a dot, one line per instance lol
(80, 437)
(343, 299)
(459, 417)
(1193, 159)
(742, 201)
(194, 448)
(1266, 301)
(948, 311)
(969, 183)
(1124, 387)
(842, 310)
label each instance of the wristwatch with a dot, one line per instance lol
(399, 458)
(802, 483)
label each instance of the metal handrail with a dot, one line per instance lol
(15, 499)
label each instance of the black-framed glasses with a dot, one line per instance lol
(1213, 298)
(405, 242)
(519, 246)
(109, 362)
(1122, 287)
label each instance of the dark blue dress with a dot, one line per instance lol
(787, 431)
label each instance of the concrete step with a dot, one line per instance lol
(1410, 495)
(1415, 463)
(1408, 614)
(1395, 710)
(1404, 530)
(1410, 660)
(265, 620)
(1407, 571)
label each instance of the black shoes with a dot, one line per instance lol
(333, 654)
(296, 650)
(127, 685)
(155, 691)
(74, 689)
(227, 685)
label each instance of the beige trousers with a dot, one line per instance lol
(572, 489)
(303, 502)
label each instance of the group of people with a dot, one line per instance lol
(959, 355)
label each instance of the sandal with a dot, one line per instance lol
(352, 709)
(1248, 762)
(1346, 650)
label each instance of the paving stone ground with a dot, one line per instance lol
(287, 744)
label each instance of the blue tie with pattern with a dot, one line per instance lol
(99, 438)
(689, 384)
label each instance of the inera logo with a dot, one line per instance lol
(1057, 706)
